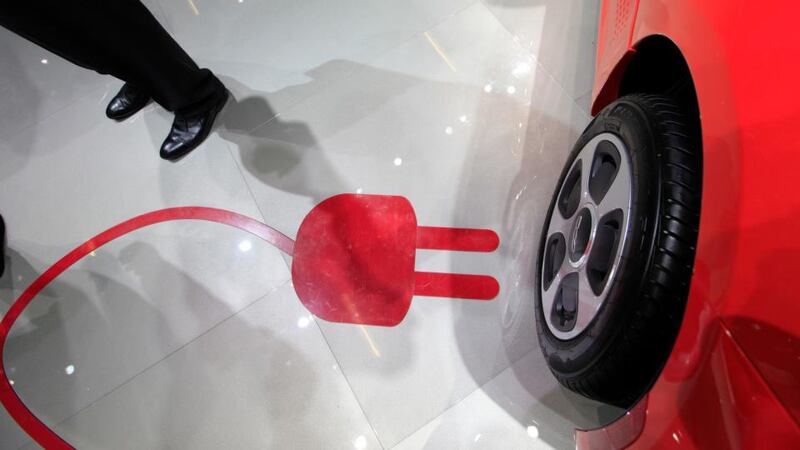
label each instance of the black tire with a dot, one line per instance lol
(618, 356)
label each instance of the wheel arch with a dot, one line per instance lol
(655, 65)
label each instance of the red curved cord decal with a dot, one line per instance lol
(354, 262)
(43, 435)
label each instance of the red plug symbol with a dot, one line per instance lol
(354, 260)
(353, 263)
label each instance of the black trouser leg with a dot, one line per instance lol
(117, 37)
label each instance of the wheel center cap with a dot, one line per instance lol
(579, 237)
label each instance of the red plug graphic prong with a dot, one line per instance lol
(463, 286)
(455, 285)
(457, 239)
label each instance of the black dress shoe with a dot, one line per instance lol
(127, 102)
(190, 131)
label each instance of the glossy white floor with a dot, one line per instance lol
(189, 335)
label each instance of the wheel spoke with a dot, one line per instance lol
(618, 195)
(586, 171)
(570, 194)
(558, 224)
(588, 302)
(549, 295)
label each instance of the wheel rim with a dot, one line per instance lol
(585, 236)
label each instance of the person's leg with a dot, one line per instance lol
(41, 25)
(121, 38)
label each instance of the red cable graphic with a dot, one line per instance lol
(354, 262)
(43, 435)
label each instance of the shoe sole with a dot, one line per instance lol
(204, 136)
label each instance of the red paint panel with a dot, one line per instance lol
(614, 44)
(739, 55)
(724, 404)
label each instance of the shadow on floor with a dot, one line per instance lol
(100, 324)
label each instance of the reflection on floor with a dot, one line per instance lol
(189, 335)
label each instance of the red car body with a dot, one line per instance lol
(733, 377)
